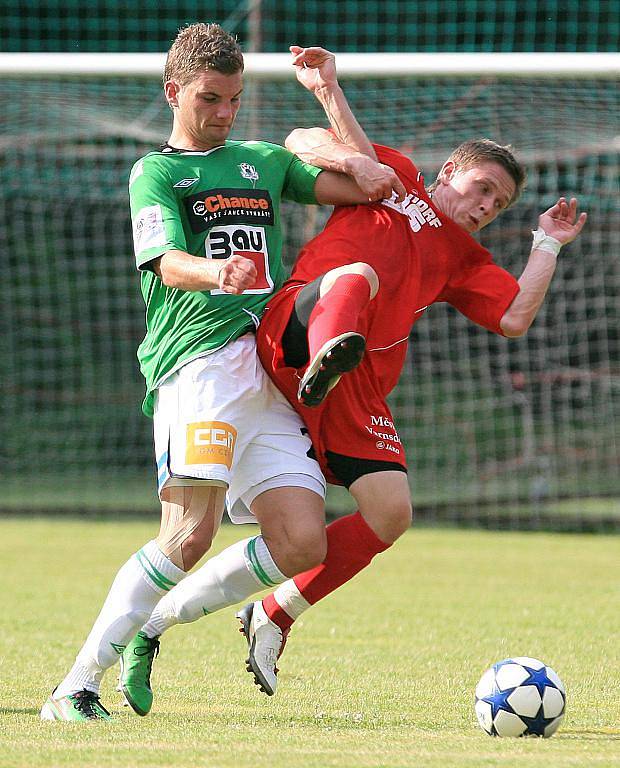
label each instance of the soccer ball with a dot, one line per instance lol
(520, 697)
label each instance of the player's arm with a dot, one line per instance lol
(367, 180)
(346, 149)
(557, 227)
(315, 68)
(178, 269)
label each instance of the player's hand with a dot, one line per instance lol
(561, 220)
(315, 67)
(376, 180)
(237, 274)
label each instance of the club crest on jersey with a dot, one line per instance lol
(248, 172)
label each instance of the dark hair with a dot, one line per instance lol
(475, 151)
(198, 47)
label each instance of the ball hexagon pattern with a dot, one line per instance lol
(520, 696)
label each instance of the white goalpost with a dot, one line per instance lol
(273, 66)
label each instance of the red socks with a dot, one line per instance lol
(351, 545)
(337, 311)
(278, 615)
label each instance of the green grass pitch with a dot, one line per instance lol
(382, 673)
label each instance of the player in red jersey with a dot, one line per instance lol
(355, 292)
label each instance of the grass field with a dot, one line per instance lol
(381, 674)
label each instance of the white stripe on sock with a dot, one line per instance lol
(290, 599)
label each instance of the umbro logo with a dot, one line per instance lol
(185, 183)
(118, 648)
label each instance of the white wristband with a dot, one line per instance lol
(544, 242)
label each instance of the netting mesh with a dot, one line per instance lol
(492, 427)
(345, 25)
(489, 424)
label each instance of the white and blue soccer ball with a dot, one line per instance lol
(520, 697)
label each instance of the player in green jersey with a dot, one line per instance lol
(206, 224)
(229, 201)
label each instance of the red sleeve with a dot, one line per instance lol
(406, 170)
(482, 293)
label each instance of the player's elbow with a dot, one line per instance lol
(168, 278)
(294, 140)
(512, 327)
(303, 140)
(167, 270)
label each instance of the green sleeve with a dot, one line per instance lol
(300, 178)
(155, 214)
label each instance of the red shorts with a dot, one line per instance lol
(354, 419)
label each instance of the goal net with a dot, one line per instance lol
(498, 431)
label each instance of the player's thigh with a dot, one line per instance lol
(384, 501)
(292, 521)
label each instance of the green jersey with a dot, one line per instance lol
(210, 204)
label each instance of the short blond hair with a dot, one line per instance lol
(199, 47)
(471, 153)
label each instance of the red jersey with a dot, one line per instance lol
(421, 257)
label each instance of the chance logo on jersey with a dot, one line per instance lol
(227, 206)
(210, 442)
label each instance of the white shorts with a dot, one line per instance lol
(220, 419)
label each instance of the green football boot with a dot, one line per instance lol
(78, 707)
(135, 677)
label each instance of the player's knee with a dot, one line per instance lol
(303, 548)
(312, 551)
(398, 518)
(292, 522)
(195, 546)
(186, 550)
(392, 520)
(366, 271)
(357, 268)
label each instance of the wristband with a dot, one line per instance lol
(544, 242)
